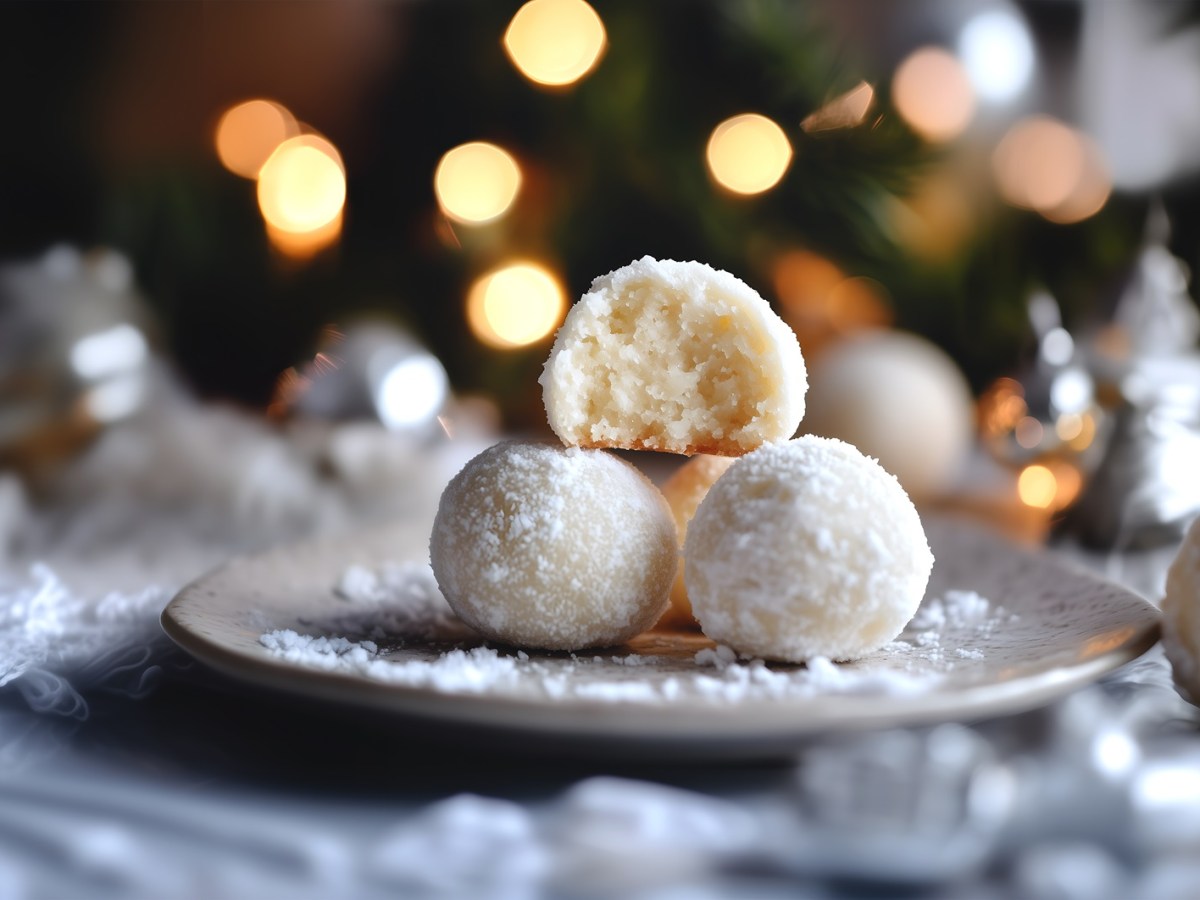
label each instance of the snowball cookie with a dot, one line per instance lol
(684, 490)
(899, 398)
(554, 548)
(1181, 614)
(806, 548)
(673, 356)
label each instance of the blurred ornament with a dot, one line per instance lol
(1147, 488)
(1046, 424)
(898, 398)
(373, 370)
(74, 354)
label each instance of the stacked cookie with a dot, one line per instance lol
(801, 548)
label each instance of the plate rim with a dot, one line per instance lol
(595, 722)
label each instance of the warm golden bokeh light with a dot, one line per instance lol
(1037, 486)
(516, 305)
(303, 244)
(476, 182)
(555, 42)
(1051, 485)
(302, 187)
(933, 94)
(936, 218)
(1040, 164)
(248, 133)
(822, 303)
(1090, 192)
(748, 154)
(845, 111)
(1001, 407)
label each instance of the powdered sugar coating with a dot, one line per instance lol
(554, 548)
(1181, 614)
(806, 549)
(673, 356)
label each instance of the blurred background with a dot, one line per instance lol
(268, 193)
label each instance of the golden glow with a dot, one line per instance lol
(845, 111)
(248, 134)
(476, 182)
(933, 94)
(303, 244)
(302, 187)
(1037, 486)
(1001, 407)
(1069, 426)
(516, 305)
(1044, 165)
(822, 303)
(1087, 433)
(748, 154)
(1052, 486)
(555, 42)
(1090, 192)
(935, 219)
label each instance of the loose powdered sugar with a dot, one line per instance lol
(412, 626)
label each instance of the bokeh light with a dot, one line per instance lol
(302, 186)
(1091, 191)
(933, 94)
(1001, 407)
(748, 154)
(1037, 163)
(248, 133)
(112, 351)
(997, 50)
(845, 111)
(411, 392)
(476, 182)
(516, 305)
(303, 244)
(555, 42)
(1045, 165)
(822, 303)
(1037, 486)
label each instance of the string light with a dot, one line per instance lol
(748, 154)
(933, 94)
(1037, 486)
(302, 188)
(476, 182)
(304, 244)
(997, 51)
(1047, 166)
(515, 305)
(1053, 484)
(248, 133)
(555, 42)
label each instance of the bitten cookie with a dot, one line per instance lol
(553, 548)
(677, 357)
(803, 549)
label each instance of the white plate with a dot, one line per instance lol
(1048, 628)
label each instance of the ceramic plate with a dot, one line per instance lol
(1001, 629)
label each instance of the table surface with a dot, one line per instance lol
(203, 787)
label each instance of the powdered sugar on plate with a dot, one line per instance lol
(397, 629)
